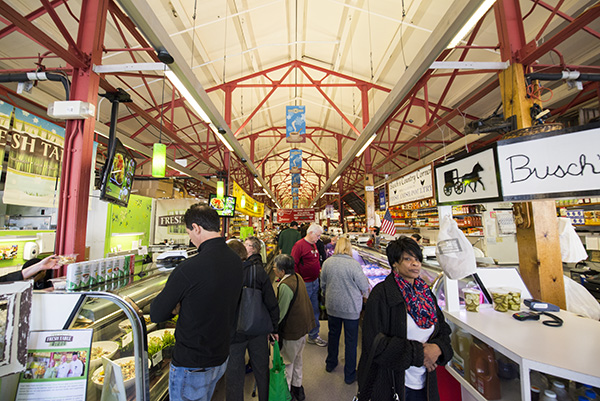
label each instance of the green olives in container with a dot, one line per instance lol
(472, 298)
(514, 299)
(500, 299)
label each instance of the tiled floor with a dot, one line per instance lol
(318, 384)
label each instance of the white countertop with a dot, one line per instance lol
(574, 347)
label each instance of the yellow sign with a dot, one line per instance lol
(249, 206)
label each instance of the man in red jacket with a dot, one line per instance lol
(306, 259)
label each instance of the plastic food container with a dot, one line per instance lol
(514, 299)
(472, 298)
(500, 299)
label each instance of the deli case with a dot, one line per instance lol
(118, 314)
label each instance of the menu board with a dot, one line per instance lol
(225, 206)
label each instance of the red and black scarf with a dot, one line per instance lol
(419, 301)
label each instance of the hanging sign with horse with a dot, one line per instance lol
(472, 178)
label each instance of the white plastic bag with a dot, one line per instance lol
(571, 248)
(454, 252)
(580, 301)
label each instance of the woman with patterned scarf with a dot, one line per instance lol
(404, 335)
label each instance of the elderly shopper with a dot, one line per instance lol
(343, 283)
(404, 332)
(307, 264)
(296, 319)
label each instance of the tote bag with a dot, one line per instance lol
(278, 387)
(253, 317)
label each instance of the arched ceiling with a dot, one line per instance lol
(340, 59)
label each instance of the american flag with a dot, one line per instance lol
(387, 225)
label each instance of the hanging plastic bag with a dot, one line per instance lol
(454, 252)
(278, 386)
(571, 248)
(580, 301)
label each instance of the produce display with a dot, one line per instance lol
(159, 340)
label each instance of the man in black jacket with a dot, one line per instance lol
(204, 291)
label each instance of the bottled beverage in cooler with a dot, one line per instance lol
(484, 370)
(591, 395)
(549, 395)
(560, 391)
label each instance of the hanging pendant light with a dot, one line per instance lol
(159, 160)
(159, 150)
(220, 189)
(243, 202)
(255, 207)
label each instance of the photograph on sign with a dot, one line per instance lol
(412, 187)
(472, 178)
(568, 166)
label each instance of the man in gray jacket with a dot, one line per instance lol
(343, 283)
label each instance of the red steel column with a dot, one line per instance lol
(79, 135)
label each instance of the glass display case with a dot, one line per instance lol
(118, 314)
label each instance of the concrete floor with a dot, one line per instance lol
(318, 384)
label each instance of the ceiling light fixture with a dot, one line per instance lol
(366, 145)
(220, 189)
(336, 180)
(487, 4)
(257, 182)
(159, 150)
(187, 95)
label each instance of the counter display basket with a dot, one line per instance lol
(117, 313)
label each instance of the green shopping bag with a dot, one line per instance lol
(278, 387)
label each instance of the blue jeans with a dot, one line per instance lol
(350, 340)
(313, 293)
(415, 395)
(194, 384)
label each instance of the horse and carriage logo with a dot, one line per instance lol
(459, 183)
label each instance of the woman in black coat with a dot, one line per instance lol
(412, 338)
(257, 346)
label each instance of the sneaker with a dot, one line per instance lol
(298, 393)
(317, 341)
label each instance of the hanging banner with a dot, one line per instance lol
(245, 204)
(299, 215)
(36, 152)
(295, 123)
(472, 178)
(295, 180)
(5, 113)
(295, 191)
(412, 187)
(382, 198)
(296, 161)
(568, 166)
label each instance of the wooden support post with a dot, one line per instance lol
(537, 238)
(369, 200)
(539, 252)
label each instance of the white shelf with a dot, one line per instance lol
(571, 351)
(509, 390)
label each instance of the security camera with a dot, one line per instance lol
(222, 131)
(244, 160)
(255, 175)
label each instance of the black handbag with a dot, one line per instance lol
(253, 317)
